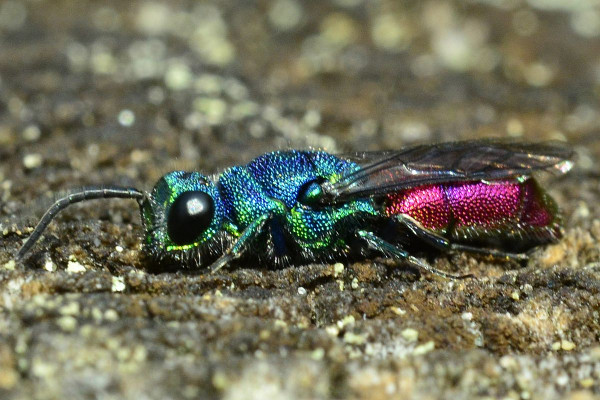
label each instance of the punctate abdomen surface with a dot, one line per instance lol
(501, 212)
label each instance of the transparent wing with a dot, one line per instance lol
(388, 171)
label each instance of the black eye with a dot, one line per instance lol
(311, 192)
(190, 215)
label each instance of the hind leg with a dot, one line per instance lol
(376, 243)
(444, 244)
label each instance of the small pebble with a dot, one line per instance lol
(397, 310)
(9, 265)
(96, 314)
(346, 321)
(67, 323)
(75, 267)
(178, 76)
(220, 381)
(126, 117)
(338, 268)
(562, 380)
(567, 345)
(118, 284)
(33, 160)
(410, 334)
(111, 315)
(280, 324)
(49, 266)
(424, 348)
(31, 133)
(332, 330)
(354, 338)
(69, 309)
(318, 354)
(556, 346)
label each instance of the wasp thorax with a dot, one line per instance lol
(189, 216)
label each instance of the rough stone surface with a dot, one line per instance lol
(123, 91)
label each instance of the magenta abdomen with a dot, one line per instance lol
(494, 212)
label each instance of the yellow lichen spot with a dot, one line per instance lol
(391, 33)
(220, 381)
(332, 330)
(412, 335)
(317, 354)
(9, 265)
(75, 267)
(424, 348)
(281, 324)
(67, 323)
(556, 346)
(354, 338)
(339, 29)
(587, 383)
(397, 310)
(567, 345)
(338, 268)
(346, 321)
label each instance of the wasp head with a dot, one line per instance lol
(183, 218)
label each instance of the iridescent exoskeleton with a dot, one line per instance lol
(293, 207)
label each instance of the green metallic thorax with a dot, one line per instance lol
(281, 185)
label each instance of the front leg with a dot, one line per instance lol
(236, 250)
(377, 243)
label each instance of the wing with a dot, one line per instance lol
(388, 171)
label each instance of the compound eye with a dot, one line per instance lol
(190, 215)
(311, 192)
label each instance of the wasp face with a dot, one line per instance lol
(182, 216)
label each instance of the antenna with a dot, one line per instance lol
(86, 193)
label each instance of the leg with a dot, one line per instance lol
(376, 243)
(238, 247)
(442, 243)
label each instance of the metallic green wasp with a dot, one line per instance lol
(290, 207)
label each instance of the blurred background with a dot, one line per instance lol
(92, 90)
(121, 92)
